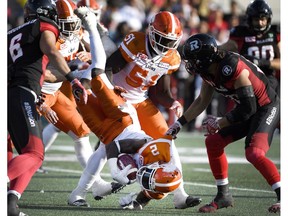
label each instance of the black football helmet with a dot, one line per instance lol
(199, 52)
(259, 9)
(37, 8)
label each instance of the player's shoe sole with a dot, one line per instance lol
(220, 201)
(275, 208)
(115, 188)
(79, 203)
(190, 202)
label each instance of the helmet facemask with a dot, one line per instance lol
(162, 43)
(70, 26)
(157, 178)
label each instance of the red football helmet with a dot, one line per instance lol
(165, 32)
(157, 178)
(69, 23)
(93, 5)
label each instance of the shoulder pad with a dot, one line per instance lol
(228, 66)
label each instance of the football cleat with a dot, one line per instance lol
(79, 203)
(275, 208)
(100, 191)
(42, 170)
(87, 17)
(189, 202)
(220, 201)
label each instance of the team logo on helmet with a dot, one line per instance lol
(195, 45)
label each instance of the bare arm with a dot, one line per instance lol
(200, 103)
(47, 46)
(161, 92)
(275, 63)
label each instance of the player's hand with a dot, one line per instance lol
(84, 56)
(48, 113)
(127, 202)
(119, 90)
(210, 125)
(177, 108)
(121, 175)
(79, 91)
(174, 129)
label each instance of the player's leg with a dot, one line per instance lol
(24, 127)
(215, 145)
(257, 144)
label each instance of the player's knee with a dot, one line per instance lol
(253, 154)
(214, 142)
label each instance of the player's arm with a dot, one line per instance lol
(275, 63)
(129, 146)
(115, 62)
(47, 46)
(161, 92)
(200, 103)
(247, 105)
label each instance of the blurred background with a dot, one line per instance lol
(215, 17)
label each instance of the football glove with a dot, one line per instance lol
(129, 202)
(48, 113)
(79, 91)
(177, 108)
(117, 174)
(174, 129)
(210, 125)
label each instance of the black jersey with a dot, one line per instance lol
(26, 62)
(265, 47)
(229, 70)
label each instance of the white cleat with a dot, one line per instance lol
(88, 18)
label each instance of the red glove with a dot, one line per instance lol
(211, 125)
(79, 91)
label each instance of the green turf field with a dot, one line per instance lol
(47, 194)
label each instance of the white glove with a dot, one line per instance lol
(128, 201)
(117, 174)
(177, 108)
(174, 129)
(211, 125)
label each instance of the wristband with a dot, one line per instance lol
(69, 76)
(182, 120)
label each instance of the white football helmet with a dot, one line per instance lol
(157, 178)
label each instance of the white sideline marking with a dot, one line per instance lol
(187, 155)
(55, 169)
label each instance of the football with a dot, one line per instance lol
(123, 161)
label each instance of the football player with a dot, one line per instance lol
(56, 107)
(111, 119)
(259, 40)
(255, 116)
(143, 64)
(150, 155)
(27, 45)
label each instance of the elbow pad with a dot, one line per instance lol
(247, 106)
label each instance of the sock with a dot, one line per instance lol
(83, 149)
(50, 133)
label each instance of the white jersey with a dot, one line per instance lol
(68, 47)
